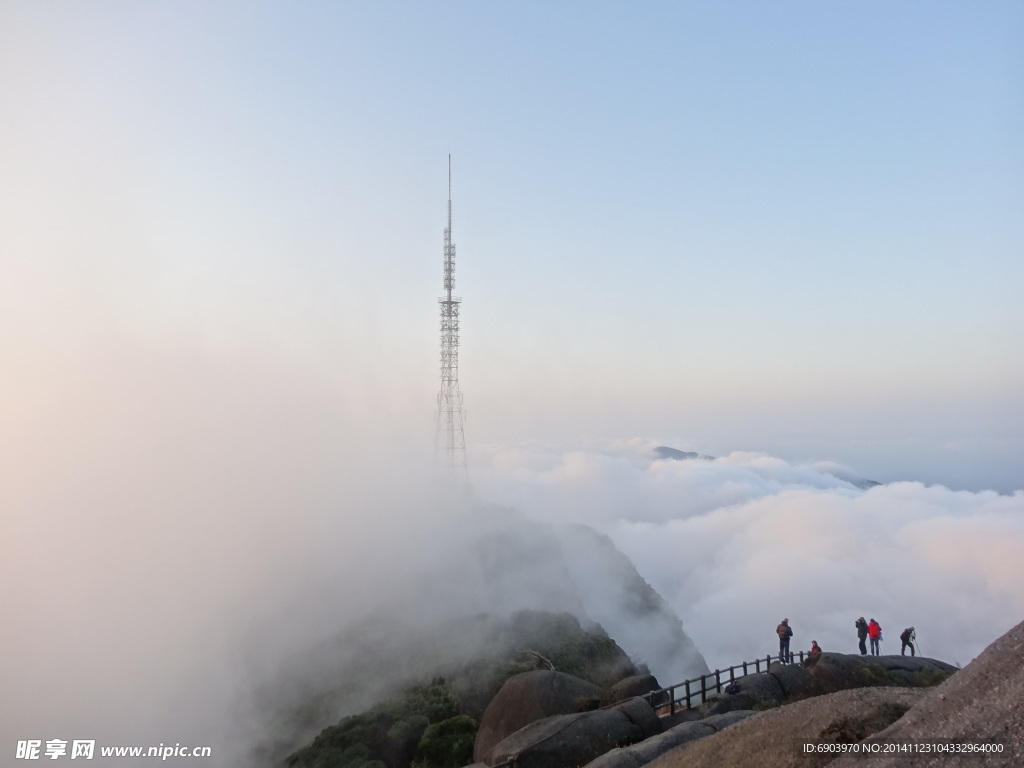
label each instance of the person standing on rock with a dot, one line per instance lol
(875, 633)
(907, 637)
(784, 632)
(815, 648)
(862, 635)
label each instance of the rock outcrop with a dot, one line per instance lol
(774, 737)
(983, 702)
(819, 706)
(647, 750)
(571, 740)
(529, 697)
(636, 685)
(829, 673)
(838, 670)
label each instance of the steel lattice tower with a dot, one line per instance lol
(450, 436)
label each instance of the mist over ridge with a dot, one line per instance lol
(452, 607)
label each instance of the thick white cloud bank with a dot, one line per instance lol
(737, 543)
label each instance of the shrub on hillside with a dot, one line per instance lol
(448, 744)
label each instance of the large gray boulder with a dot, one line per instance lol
(636, 685)
(791, 678)
(757, 691)
(838, 671)
(573, 740)
(645, 751)
(639, 712)
(982, 702)
(913, 670)
(529, 697)
(829, 672)
(773, 737)
(913, 664)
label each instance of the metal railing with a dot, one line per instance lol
(658, 699)
(688, 690)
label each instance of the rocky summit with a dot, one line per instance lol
(545, 718)
(980, 704)
(867, 702)
(838, 692)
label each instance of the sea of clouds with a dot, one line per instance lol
(167, 557)
(739, 542)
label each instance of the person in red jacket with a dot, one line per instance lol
(815, 648)
(875, 634)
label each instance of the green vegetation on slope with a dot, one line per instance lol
(434, 724)
(387, 734)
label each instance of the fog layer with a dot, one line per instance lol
(740, 542)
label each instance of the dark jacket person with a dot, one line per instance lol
(784, 632)
(862, 635)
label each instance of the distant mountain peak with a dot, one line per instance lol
(830, 468)
(664, 452)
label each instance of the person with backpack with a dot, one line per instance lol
(907, 637)
(862, 635)
(784, 632)
(875, 634)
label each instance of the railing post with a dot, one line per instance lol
(672, 700)
(687, 694)
(718, 681)
(768, 663)
(732, 675)
(703, 689)
(744, 669)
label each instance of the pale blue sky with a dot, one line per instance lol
(793, 228)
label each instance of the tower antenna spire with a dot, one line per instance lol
(450, 436)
